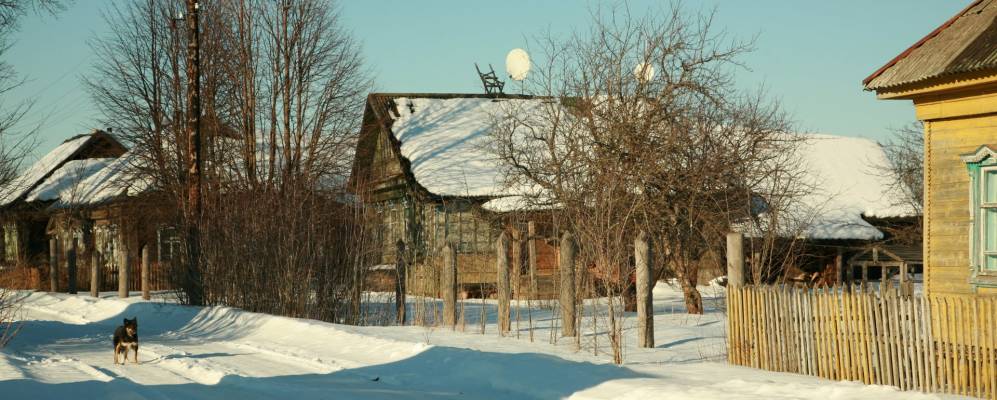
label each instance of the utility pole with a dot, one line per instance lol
(194, 286)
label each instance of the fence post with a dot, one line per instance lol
(645, 304)
(502, 270)
(71, 267)
(94, 273)
(531, 243)
(449, 286)
(400, 277)
(145, 273)
(735, 259)
(123, 272)
(53, 264)
(567, 300)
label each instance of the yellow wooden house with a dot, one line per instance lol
(951, 77)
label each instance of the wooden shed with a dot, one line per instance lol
(884, 261)
(950, 75)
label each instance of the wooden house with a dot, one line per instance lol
(422, 163)
(83, 195)
(951, 77)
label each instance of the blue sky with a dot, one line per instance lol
(810, 54)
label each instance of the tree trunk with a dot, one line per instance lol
(693, 300)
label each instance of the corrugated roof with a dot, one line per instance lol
(966, 43)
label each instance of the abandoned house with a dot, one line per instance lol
(423, 164)
(81, 195)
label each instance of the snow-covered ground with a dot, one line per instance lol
(64, 351)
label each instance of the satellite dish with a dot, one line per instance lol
(644, 72)
(517, 64)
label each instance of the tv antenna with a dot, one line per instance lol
(489, 80)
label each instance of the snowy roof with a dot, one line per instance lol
(112, 181)
(850, 179)
(64, 182)
(28, 179)
(446, 141)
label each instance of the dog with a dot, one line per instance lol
(126, 337)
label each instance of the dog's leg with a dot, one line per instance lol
(136, 353)
(125, 359)
(115, 355)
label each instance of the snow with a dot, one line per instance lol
(64, 182)
(27, 180)
(850, 178)
(108, 183)
(449, 147)
(64, 351)
(447, 142)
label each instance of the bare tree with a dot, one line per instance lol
(905, 153)
(282, 90)
(15, 142)
(644, 129)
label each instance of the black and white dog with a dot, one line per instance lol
(126, 337)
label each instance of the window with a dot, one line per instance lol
(982, 166)
(168, 243)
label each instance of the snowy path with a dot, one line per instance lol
(64, 351)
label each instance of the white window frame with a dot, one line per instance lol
(981, 229)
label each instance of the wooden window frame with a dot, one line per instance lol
(980, 276)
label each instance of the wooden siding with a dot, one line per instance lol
(947, 218)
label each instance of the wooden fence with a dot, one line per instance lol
(945, 344)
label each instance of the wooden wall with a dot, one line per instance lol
(954, 125)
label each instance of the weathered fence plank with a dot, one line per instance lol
(946, 343)
(567, 298)
(503, 285)
(449, 286)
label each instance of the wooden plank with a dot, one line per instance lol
(977, 356)
(931, 365)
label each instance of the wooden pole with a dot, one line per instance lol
(400, 276)
(840, 268)
(94, 273)
(735, 259)
(123, 271)
(531, 233)
(193, 286)
(145, 273)
(504, 287)
(449, 288)
(567, 299)
(53, 264)
(71, 267)
(645, 305)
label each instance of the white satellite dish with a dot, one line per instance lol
(517, 64)
(644, 72)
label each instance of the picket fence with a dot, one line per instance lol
(942, 344)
